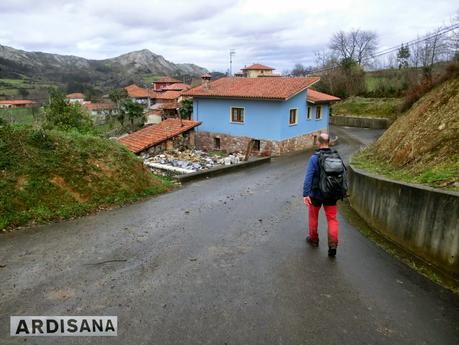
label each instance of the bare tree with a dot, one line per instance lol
(337, 78)
(415, 57)
(357, 45)
(427, 52)
(299, 70)
(453, 39)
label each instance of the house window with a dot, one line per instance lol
(256, 145)
(293, 118)
(237, 115)
(318, 112)
(217, 143)
(309, 113)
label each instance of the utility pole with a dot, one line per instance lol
(231, 52)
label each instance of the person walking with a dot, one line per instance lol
(324, 184)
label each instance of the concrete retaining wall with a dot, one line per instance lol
(423, 220)
(362, 122)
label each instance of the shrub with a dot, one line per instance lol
(415, 92)
(66, 116)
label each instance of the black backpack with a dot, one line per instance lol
(332, 175)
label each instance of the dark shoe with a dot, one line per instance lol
(332, 252)
(311, 242)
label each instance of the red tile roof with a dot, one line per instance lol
(167, 80)
(176, 87)
(277, 88)
(135, 91)
(319, 97)
(259, 66)
(17, 101)
(156, 134)
(76, 95)
(168, 95)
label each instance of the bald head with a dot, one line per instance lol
(324, 140)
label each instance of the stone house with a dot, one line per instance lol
(272, 115)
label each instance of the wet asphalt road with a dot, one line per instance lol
(222, 261)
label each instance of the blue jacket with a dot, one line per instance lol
(311, 178)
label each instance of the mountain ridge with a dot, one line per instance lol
(118, 71)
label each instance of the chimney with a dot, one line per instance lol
(206, 81)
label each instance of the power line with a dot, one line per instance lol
(396, 48)
(418, 40)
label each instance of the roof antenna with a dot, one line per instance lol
(232, 52)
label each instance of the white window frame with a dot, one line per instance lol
(231, 115)
(309, 113)
(296, 117)
(320, 115)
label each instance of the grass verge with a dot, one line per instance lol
(52, 175)
(444, 175)
(368, 107)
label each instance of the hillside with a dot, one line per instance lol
(421, 146)
(57, 175)
(108, 73)
(367, 107)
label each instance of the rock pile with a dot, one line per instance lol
(190, 160)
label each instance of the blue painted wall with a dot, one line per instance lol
(262, 119)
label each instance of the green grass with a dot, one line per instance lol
(10, 88)
(441, 176)
(48, 175)
(25, 116)
(371, 107)
(33, 116)
(373, 82)
(148, 79)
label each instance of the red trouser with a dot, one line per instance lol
(330, 212)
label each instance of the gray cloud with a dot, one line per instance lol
(277, 33)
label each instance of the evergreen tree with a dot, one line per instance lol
(402, 56)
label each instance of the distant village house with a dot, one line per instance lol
(256, 70)
(101, 112)
(161, 101)
(76, 97)
(17, 103)
(163, 82)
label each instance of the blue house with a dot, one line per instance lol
(273, 114)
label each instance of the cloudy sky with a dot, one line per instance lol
(279, 33)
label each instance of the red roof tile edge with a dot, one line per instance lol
(136, 142)
(199, 91)
(320, 97)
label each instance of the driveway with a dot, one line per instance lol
(222, 261)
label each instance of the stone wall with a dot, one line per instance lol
(229, 143)
(362, 122)
(186, 139)
(423, 220)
